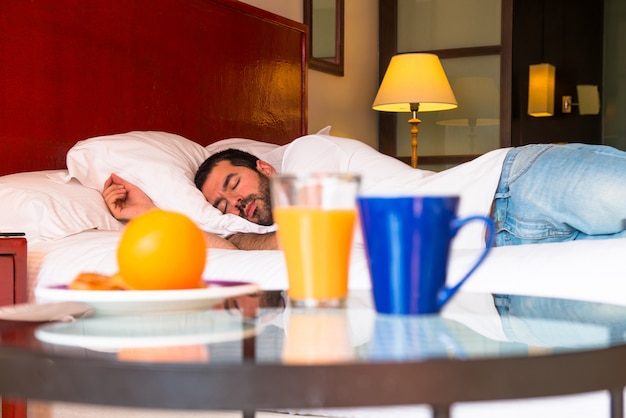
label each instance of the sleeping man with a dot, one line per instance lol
(535, 193)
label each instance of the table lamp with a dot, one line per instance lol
(414, 82)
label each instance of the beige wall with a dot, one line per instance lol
(345, 102)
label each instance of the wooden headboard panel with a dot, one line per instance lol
(204, 69)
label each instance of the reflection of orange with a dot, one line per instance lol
(176, 354)
(162, 250)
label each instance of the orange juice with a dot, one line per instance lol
(316, 243)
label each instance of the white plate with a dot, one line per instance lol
(123, 302)
(167, 329)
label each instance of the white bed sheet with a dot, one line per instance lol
(58, 262)
(584, 270)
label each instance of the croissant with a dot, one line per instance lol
(96, 281)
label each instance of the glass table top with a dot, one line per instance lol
(470, 327)
(281, 357)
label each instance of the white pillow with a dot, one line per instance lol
(256, 148)
(34, 203)
(163, 165)
(263, 150)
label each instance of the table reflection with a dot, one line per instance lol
(561, 323)
(263, 328)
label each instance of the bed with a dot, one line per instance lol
(150, 88)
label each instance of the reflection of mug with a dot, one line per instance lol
(315, 214)
(419, 337)
(408, 243)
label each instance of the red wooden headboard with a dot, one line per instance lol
(204, 69)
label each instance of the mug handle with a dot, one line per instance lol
(447, 292)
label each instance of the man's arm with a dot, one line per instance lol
(248, 241)
(125, 200)
(215, 241)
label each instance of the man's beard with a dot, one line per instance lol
(263, 211)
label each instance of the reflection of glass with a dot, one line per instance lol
(478, 101)
(316, 336)
(175, 354)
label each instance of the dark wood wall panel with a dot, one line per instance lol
(569, 35)
(204, 69)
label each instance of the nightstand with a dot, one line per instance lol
(13, 286)
(13, 289)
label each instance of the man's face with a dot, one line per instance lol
(240, 191)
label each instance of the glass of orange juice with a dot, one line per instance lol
(315, 214)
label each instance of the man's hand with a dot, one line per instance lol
(255, 241)
(125, 200)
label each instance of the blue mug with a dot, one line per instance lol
(407, 242)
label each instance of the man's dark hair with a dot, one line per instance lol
(234, 156)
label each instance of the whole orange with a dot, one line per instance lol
(162, 250)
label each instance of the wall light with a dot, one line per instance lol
(541, 90)
(588, 100)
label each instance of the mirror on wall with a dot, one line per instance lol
(325, 21)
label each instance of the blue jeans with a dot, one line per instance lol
(553, 193)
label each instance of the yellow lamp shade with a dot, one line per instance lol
(541, 90)
(414, 78)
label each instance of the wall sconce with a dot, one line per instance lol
(541, 90)
(588, 100)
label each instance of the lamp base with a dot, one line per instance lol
(414, 131)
